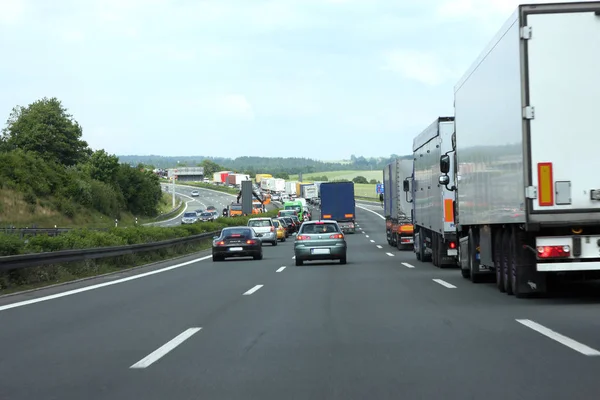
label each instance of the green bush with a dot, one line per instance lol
(86, 238)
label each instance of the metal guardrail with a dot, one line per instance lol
(22, 261)
(22, 232)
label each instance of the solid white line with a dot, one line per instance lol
(390, 254)
(573, 344)
(407, 265)
(371, 211)
(164, 349)
(444, 283)
(254, 289)
(280, 269)
(100, 285)
(379, 247)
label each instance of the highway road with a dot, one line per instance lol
(384, 326)
(207, 198)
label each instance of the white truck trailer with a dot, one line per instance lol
(528, 206)
(433, 204)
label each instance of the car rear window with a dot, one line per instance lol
(190, 215)
(236, 232)
(276, 223)
(319, 228)
(259, 223)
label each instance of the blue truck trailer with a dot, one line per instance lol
(337, 203)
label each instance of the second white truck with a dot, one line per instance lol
(433, 203)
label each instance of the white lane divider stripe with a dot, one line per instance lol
(280, 269)
(564, 340)
(100, 285)
(367, 236)
(390, 254)
(371, 211)
(407, 265)
(372, 241)
(294, 257)
(379, 246)
(254, 289)
(165, 349)
(444, 283)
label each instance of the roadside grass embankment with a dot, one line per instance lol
(45, 275)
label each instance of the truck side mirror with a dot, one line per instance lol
(380, 197)
(445, 164)
(444, 180)
(406, 185)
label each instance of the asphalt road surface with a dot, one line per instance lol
(207, 198)
(384, 326)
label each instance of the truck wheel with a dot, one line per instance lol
(435, 250)
(473, 261)
(497, 253)
(506, 239)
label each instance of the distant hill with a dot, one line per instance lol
(273, 165)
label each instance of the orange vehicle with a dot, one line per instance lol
(235, 210)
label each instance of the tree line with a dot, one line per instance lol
(255, 165)
(43, 156)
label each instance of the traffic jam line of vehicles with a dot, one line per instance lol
(508, 190)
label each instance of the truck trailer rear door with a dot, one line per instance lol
(563, 76)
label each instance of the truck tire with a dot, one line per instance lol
(473, 261)
(497, 256)
(435, 250)
(506, 238)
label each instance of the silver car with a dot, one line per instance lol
(320, 240)
(189, 218)
(265, 229)
(195, 193)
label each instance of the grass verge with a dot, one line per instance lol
(349, 175)
(40, 276)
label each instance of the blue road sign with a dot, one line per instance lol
(379, 188)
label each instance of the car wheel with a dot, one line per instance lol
(258, 256)
(274, 242)
(216, 258)
(343, 260)
(299, 262)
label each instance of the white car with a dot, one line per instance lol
(265, 229)
(195, 193)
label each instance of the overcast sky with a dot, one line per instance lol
(317, 78)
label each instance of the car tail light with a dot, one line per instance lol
(221, 243)
(302, 237)
(250, 241)
(272, 228)
(336, 236)
(319, 223)
(452, 245)
(553, 251)
(236, 235)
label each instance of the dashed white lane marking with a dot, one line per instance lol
(164, 349)
(444, 283)
(100, 285)
(364, 233)
(407, 265)
(379, 246)
(371, 211)
(390, 254)
(367, 236)
(254, 289)
(564, 340)
(372, 241)
(293, 258)
(280, 269)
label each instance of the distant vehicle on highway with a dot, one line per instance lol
(238, 241)
(320, 240)
(195, 193)
(211, 208)
(280, 229)
(190, 217)
(207, 216)
(199, 211)
(265, 229)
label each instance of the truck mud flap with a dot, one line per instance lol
(526, 280)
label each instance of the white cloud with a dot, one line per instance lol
(11, 11)
(423, 66)
(235, 105)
